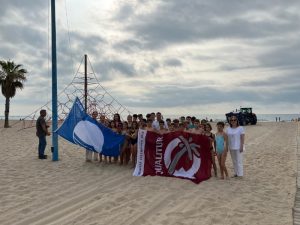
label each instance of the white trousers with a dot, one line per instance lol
(96, 154)
(88, 155)
(237, 161)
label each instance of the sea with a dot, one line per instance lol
(217, 117)
(260, 117)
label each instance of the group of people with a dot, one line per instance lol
(222, 141)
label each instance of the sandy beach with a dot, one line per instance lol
(71, 191)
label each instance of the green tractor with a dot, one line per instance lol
(245, 116)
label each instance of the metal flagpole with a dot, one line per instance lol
(54, 85)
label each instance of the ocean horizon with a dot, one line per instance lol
(260, 117)
(215, 117)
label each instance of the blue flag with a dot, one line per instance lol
(81, 129)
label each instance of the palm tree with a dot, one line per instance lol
(12, 77)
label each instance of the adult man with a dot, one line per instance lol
(41, 133)
(155, 123)
(192, 122)
(181, 119)
(152, 116)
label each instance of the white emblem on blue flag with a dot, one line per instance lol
(88, 135)
(79, 128)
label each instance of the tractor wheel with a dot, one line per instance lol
(243, 123)
(254, 121)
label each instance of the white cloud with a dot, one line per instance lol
(171, 56)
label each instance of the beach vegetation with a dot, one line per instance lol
(12, 77)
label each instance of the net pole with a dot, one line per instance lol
(85, 83)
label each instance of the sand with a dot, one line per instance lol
(71, 191)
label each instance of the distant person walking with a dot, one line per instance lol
(236, 138)
(276, 118)
(41, 133)
(279, 119)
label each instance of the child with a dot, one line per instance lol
(162, 129)
(103, 122)
(197, 129)
(207, 129)
(149, 125)
(112, 126)
(125, 151)
(221, 146)
(172, 127)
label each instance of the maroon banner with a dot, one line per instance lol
(176, 154)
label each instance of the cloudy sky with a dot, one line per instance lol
(176, 56)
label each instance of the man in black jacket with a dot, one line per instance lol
(41, 133)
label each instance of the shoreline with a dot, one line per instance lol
(287, 117)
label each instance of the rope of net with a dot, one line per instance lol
(98, 99)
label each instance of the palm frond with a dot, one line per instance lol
(12, 77)
(18, 84)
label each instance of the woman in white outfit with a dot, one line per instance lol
(236, 137)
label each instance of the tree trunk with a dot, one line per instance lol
(6, 113)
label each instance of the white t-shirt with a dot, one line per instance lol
(234, 137)
(155, 125)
